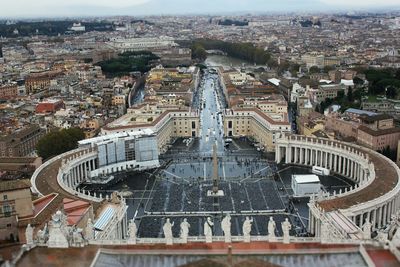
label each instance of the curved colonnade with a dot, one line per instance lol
(375, 196)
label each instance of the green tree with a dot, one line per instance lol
(327, 69)
(391, 92)
(58, 142)
(357, 81)
(350, 97)
(314, 69)
(198, 52)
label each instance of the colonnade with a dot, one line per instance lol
(353, 162)
(77, 167)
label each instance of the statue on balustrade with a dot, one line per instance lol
(77, 238)
(58, 231)
(226, 228)
(367, 230)
(29, 234)
(208, 224)
(89, 230)
(132, 231)
(247, 229)
(167, 228)
(184, 230)
(286, 227)
(271, 230)
(42, 235)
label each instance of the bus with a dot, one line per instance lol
(320, 170)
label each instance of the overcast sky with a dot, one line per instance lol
(54, 8)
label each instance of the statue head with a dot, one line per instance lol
(185, 220)
(286, 220)
(168, 220)
(247, 218)
(209, 219)
(271, 218)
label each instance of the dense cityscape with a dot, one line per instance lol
(201, 140)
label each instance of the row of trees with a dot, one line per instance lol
(244, 51)
(58, 142)
(49, 28)
(351, 100)
(383, 81)
(128, 62)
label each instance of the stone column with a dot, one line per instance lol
(277, 154)
(287, 154)
(339, 164)
(389, 211)
(306, 156)
(334, 164)
(301, 155)
(374, 218)
(384, 214)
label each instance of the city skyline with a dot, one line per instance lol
(46, 8)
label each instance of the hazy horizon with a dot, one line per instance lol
(76, 8)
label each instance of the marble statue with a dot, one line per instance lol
(208, 224)
(77, 239)
(271, 230)
(184, 230)
(114, 198)
(247, 229)
(167, 228)
(132, 231)
(366, 228)
(29, 235)
(286, 227)
(58, 231)
(42, 235)
(89, 231)
(226, 228)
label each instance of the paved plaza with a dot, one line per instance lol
(252, 183)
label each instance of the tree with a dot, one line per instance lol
(198, 52)
(314, 69)
(58, 142)
(391, 92)
(350, 97)
(358, 81)
(328, 68)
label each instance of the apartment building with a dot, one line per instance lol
(252, 122)
(21, 142)
(166, 121)
(378, 132)
(8, 91)
(15, 202)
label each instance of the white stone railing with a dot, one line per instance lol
(66, 168)
(362, 155)
(80, 194)
(336, 147)
(46, 164)
(234, 239)
(389, 196)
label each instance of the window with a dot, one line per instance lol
(7, 210)
(5, 197)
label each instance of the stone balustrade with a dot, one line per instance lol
(375, 196)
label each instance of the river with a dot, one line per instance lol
(225, 61)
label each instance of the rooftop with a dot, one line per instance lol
(14, 185)
(386, 178)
